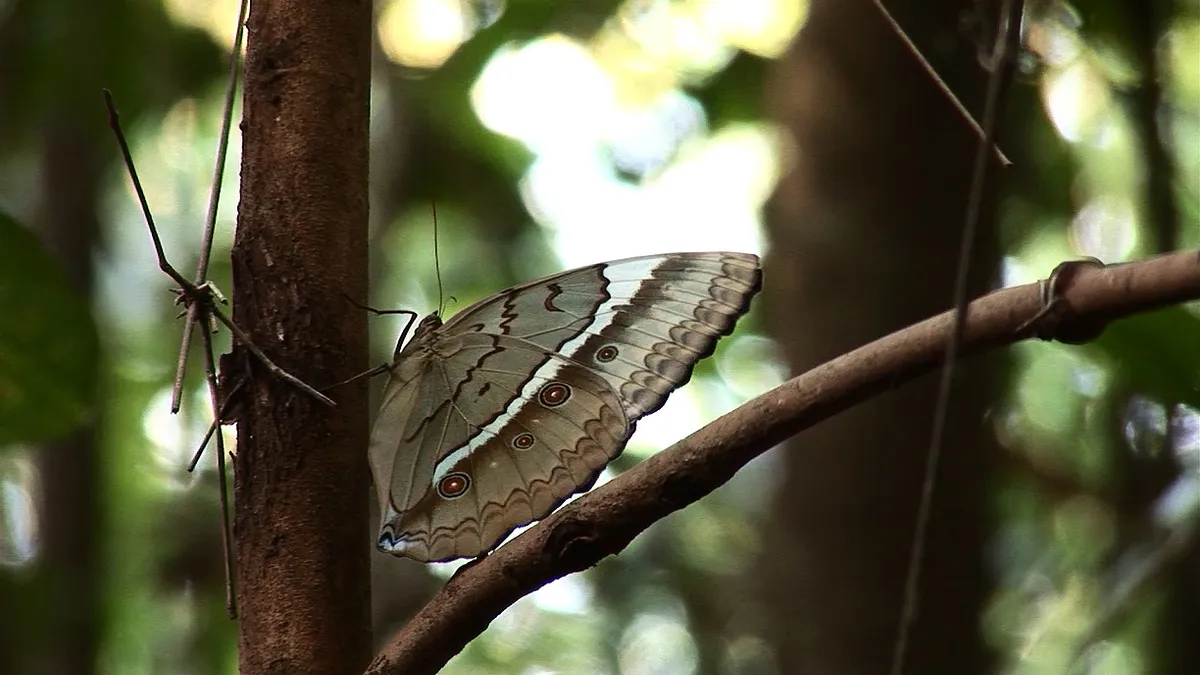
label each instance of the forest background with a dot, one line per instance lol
(557, 134)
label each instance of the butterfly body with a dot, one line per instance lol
(494, 418)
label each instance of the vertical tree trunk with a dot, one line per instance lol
(301, 481)
(72, 513)
(865, 235)
(1174, 645)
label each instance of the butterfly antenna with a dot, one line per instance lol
(437, 261)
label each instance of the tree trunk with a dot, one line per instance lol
(301, 481)
(72, 513)
(865, 233)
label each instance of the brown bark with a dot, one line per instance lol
(301, 481)
(865, 233)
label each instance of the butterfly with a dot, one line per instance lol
(492, 419)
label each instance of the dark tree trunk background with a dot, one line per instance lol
(1175, 645)
(72, 514)
(72, 511)
(302, 484)
(865, 234)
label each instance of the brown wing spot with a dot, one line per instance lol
(606, 353)
(554, 394)
(484, 389)
(453, 485)
(523, 441)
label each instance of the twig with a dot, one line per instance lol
(214, 198)
(189, 293)
(216, 423)
(604, 521)
(275, 370)
(1007, 46)
(199, 297)
(210, 370)
(941, 84)
(114, 123)
(1161, 560)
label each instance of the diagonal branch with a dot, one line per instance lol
(603, 522)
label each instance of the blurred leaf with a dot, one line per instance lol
(732, 94)
(1157, 353)
(443, 94)
(134, 49)
(48, 343)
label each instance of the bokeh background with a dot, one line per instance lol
(554, 134)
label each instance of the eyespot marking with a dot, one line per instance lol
(554, 394)
(453, 485)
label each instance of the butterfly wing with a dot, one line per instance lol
(523, 430)
(642, 323)
(467, 447)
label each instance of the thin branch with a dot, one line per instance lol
(216, 423)
(275, 370)
(940, 83)
(214, 199)
(192, 295)
(603, 522)
(1164, 558)
(210, 371)
(1004, 60)
(114, 123)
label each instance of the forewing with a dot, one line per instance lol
(661, 313)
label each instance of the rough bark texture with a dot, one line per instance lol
(301, 480)
(865, 235)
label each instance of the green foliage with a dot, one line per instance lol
(129, 46)
(1156, 354)
(1056, 528)
(48, 343)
